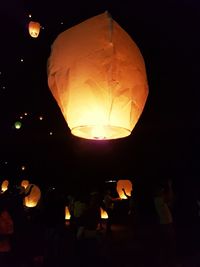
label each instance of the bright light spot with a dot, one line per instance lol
(3, 87)
(42, 27)
(6, 162)
(21, 117)
(50, 133)
(61, 23)
(25, 113)
(18, 125)
(23, 168)
(29, 15)
(40, 118)
(98, 132)
(21, 60)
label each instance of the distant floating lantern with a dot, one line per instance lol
(67, 213)
(34, 29)
(97, 75)
(25, 183)
(4, 185)
(33, 198)
(18, 125)
(104, 214)
(126, 185)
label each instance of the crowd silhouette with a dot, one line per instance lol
(146, 229)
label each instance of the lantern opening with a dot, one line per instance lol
(96, 132)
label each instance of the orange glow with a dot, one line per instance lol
(127, 185)
(104, 214)
(67, 213)
(33, 198)
(34, 29)
(97, 75)
(4, 185)
(25, 183)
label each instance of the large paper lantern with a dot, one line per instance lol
(34, 29)
(33, 198)
(4, 185)
(126, 185)
(97, 75)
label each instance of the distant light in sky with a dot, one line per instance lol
(21, 60)
(23, 168)
(18, 125)
(61, 23)
(25, 113)
(50, 133)
(6, 162)
(21, 117)
(40, 118)
(30, 16)
(3, 87)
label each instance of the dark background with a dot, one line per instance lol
(164, 143)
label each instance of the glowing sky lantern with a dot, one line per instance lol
(33, 198)
(67, 213)
(25, 183)
(4, 185)
(34, 29)
(18, 125)
(97, 75)
(104, 214)
(126, 185)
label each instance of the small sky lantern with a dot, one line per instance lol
(18, 125)
(104, 214)
(25, 183)
(34, 29)
(4, 185)
(97, 75)
(33, 198)
(126, 185)
(67, 213)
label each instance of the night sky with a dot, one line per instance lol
(165, 141)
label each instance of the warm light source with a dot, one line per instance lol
(97, 75)
(25, 183)
(67, 213)
(33, 198)
(4, 185)
(18, 125)
(34, 29)
(104, 214)
(126, 185)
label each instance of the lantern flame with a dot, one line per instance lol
(104, 214)
(67, 213)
